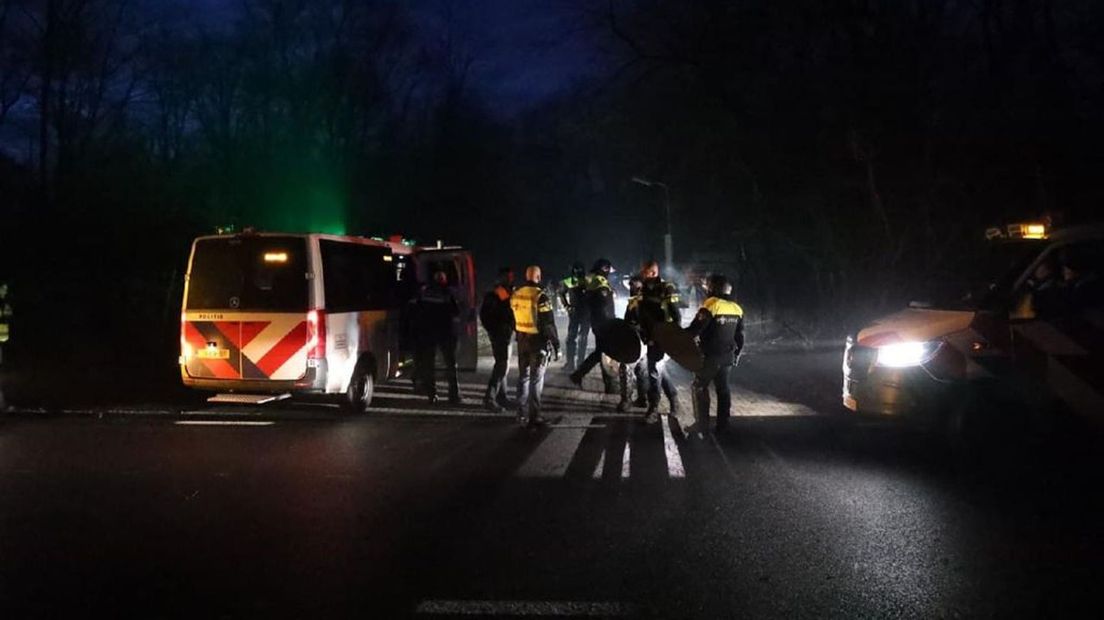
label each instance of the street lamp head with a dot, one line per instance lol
(642, 181)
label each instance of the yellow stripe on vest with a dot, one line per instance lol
(722, 307)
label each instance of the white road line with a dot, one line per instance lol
(223, 423)
(601, 466)
(525, 608)
(670, 450)
(551, 458)
(625, 458)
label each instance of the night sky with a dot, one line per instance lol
(525, 50)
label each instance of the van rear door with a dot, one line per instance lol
(458, 265)
(246, 309)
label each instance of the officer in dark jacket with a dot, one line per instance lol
(573, 297)
(600, 307)
(437, 324)
(719, 328)
(659, 303)
(638, 369)
(498, 319)
(537, 339)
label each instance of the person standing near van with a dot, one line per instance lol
(498, 319)
(437, 323)
(537, 339)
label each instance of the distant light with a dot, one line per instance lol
(1034, 231)
(388, 258)
(275, 257)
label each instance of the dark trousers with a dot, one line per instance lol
(532, 362)
(576, 344)
(714, 372)
(496, 387)
(426, 365)
(658, 379)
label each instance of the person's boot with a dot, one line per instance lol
(489, 402)
(640, 402)
(576, 378)
(652, 416)
(623, 406)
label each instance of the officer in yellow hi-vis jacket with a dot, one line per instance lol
(719, 327)
(537, 339)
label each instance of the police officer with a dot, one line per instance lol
(537, 340)
(600, 308)
(637, 369)
(498, 319)
(437, 324)
(719, 328)
(659, 303)
(573, 297)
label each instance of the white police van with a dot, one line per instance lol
(270, 315)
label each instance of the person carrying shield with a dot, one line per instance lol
(637, 369)
(719, 328)
(659, 303)
(600, 308)
(537, 340)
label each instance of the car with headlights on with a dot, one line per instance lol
(1028, 339)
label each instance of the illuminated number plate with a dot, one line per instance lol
(213, 354)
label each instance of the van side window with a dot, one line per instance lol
(357, 277)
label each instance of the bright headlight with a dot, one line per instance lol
(905, 354)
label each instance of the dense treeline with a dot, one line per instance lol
(836, 154)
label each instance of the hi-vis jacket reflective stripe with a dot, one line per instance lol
(527, 302)
(719, 307)
(720, 327)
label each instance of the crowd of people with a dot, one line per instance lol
(524, 314)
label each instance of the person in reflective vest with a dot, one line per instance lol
(573, 297)
(437, 325)
(637, 369)
(659, 303)
(719, 328)
(498, 319)
(537, 340)
(600, 298)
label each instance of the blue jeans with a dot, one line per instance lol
(532, 362)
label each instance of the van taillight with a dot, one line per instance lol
(316, 334)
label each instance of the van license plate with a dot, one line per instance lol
(213, 354)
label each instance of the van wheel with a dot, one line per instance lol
(361, 389)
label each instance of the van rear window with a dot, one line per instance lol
(265, 274)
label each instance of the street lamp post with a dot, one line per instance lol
(668, 251)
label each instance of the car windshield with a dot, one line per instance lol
(984, 280)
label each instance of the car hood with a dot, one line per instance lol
(914, 325)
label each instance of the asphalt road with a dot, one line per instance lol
(169, 510)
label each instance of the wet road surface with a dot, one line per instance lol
(300, 511)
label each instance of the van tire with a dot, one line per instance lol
(362, 387)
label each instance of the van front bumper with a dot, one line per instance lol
(894, 392)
